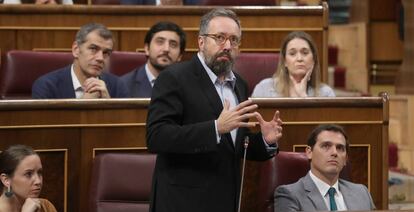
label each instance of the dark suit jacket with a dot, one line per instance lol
(137, 83)
(305, 196)
(58, 85)
(193, 172)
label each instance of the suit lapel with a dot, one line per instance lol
(66, 87)
(350, 200)
(208, 87)
(210, 92)
(313, 194)
(241, 96)
(143, 85)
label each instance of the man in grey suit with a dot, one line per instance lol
(321, 189)
(164, 45)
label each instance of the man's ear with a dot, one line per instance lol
(75, 49)
(201, 42)
(308, 152)
(347, 158)
(146, 49)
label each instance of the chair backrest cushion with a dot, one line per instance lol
(254, 67)
(20, 69)
(285, 168)
(124, 62)
(121, 181)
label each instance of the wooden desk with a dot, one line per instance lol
(53, 28)
(68, 133)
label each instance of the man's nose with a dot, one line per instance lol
(334, 151)
(227, 44)
(99, 56)
(166, 47)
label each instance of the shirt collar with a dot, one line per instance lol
(322, 186)
(76, 84)
(230, 77)
(150, 76)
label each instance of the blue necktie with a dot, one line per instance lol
(332, 202)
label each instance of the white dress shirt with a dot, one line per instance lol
(77, 87)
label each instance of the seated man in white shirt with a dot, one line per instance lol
(87, 77)
(322, 189)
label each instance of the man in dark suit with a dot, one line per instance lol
(164, 45)
(86, 77)
(322, 189)
(196, 124)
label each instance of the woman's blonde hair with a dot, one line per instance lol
(281, 76)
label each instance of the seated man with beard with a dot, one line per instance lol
(164, 45)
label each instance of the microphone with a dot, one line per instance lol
(245, 145)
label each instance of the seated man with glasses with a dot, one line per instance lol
(197, 123)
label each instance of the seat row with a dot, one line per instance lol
(131, 192)
(19, 69)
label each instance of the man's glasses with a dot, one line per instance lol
(221, 39)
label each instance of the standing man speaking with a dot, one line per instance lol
(197, 122)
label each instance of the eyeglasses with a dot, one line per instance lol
(221, 39)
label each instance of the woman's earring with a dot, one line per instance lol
(9, 192)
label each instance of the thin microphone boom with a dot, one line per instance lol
(245, 145)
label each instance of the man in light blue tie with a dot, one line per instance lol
(322, 189)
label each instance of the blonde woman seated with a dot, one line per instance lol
(21, 181)
(297, 74)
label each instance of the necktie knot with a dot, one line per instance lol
(332, 203)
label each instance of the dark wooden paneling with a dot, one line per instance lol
(54, 27)
(88, 127)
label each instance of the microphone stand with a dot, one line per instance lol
(245, 145)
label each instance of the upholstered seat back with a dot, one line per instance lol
(285, 168)
(124, 62)
(19, 69)
(121, 182)
(254, 67)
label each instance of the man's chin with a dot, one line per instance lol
(94, 73)
(161, 67)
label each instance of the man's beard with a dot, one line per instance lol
(158, 66)
(220, 67)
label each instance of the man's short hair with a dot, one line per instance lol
(218, 12)
(166, 26)
(91, 27)
(327, 127)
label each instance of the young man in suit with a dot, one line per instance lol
(86, 77)
(197, 122)
(322, 189)
(164, 45)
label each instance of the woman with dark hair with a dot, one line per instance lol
(21, 181)
(298, 72)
